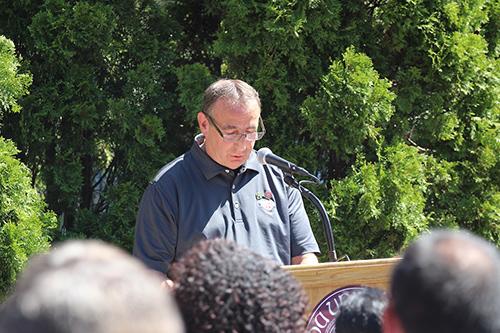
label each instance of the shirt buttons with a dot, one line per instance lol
(227, 171)
(234, 187)
(237, 205)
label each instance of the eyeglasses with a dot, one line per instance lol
(236, 137)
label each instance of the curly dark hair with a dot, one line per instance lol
(221, 287)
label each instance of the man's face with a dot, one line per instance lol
(230, 118)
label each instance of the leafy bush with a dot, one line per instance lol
(26, 225)
(379, 207)
(12, 84)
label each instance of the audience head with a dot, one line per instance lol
(362, 312)
(221, 287)
(88, 286)
(447, 281)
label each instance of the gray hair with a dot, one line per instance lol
(89, 286)
(236, 91)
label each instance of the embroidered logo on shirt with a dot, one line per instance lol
(265, 201)
(266, 195)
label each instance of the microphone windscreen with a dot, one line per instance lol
(262, 153)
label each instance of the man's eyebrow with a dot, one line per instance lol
(230, 127)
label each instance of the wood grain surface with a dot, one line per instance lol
(321, 279)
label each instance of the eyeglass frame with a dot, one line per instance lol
(260, 134)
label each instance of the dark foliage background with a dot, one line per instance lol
(394, 104)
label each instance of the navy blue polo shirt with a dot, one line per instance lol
(194, 198)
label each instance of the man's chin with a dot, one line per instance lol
(234, 164)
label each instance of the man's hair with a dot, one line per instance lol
(448, 281)
(88, 286)
(362, 312)
(235, 91)
(221, 287)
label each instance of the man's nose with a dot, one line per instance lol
(242, 144)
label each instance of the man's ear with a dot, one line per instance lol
(203, 123)
(391, 322)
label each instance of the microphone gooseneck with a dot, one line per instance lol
(266, 156)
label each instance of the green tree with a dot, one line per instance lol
(348, 113)
(350, 89)
(25, 223)
(12, 83)
(379, 207)
(447, 85)
(102, 115)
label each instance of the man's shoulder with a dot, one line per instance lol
(172, 169)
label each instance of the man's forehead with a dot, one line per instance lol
(242, 105)
(237, 114)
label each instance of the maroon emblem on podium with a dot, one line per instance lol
(322, 318)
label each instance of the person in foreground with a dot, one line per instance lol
(447, 282)
(222, 287)
(88, 286)
(218, 189)
(362, 312)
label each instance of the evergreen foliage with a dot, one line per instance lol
(26, 225)
(394, 104)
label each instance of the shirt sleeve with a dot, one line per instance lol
(302, 239)
(155, 231)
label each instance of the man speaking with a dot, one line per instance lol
(218, 189)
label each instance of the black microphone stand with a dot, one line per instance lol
(327, 227)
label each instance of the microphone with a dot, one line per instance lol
(266, 156)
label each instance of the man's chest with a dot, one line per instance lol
(240, 209)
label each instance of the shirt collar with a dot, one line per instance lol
(210, 168)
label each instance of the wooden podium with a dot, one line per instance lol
(321, 279)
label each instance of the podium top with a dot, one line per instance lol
(321, 279)
(355, 263)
